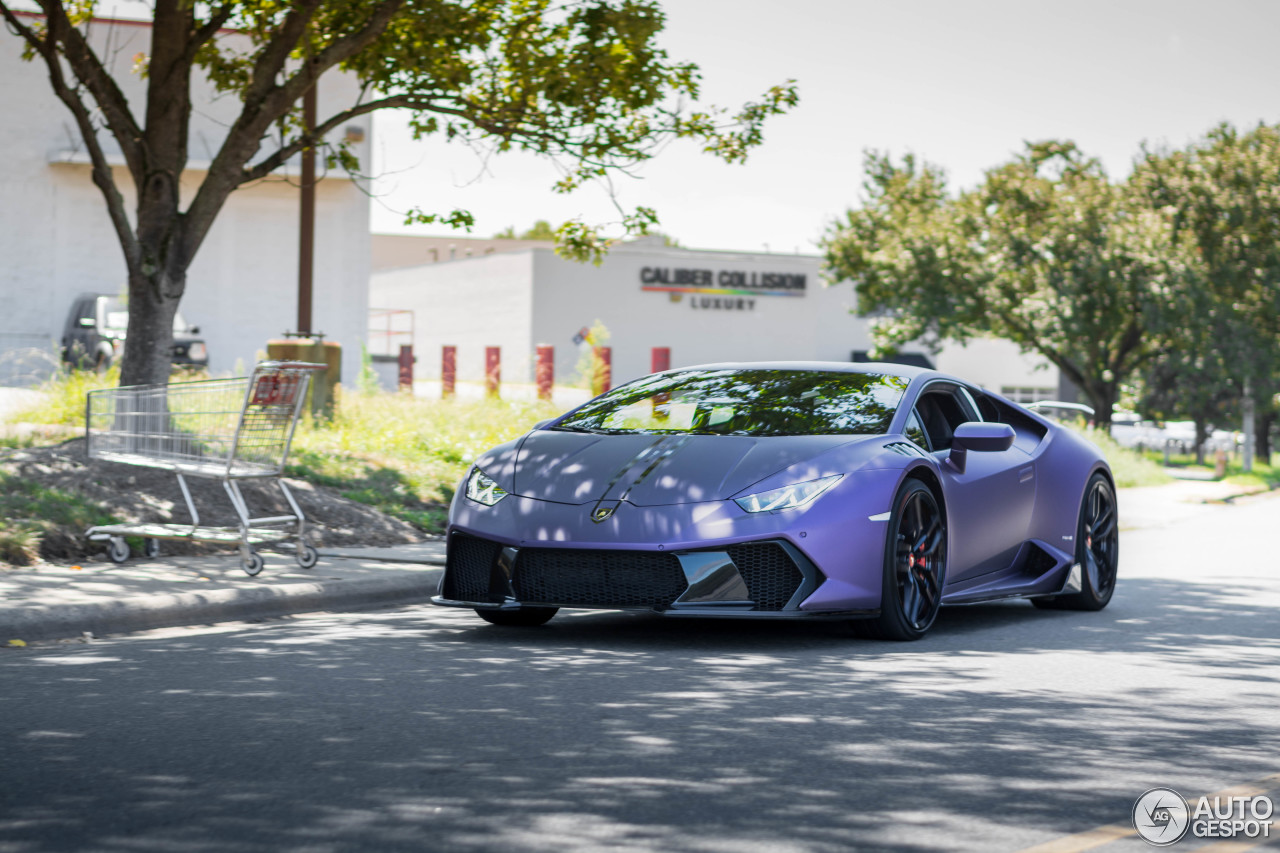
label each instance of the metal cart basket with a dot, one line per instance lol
(224, 429)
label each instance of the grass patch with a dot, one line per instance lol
(405, 455)
(63, 398)
(30, 513)
(399, 454)
(1263, 476)
(1129, 467)
(19, 442)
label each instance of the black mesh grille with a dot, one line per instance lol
(467, 567)
(771, 576)
(598, 578)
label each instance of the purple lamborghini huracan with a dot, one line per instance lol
(868, 492)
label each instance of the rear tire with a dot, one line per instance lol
(1097, 550)
(915, 567)
(525, 617)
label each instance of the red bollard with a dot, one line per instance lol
(448, 371)
(603, 379)
(546, 370)
(405, 378)
(660, 359)
(492, 370)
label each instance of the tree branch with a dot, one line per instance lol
(209, 29)
(278, 158)
(89, 70)
(265, 102)
(21, 29)
(102, 176)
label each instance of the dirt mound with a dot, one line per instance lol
(136, 494)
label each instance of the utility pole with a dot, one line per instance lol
(1246, 456)
(307, 209)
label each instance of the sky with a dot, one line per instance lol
(962, 84)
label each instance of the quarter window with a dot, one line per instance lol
(915, 432)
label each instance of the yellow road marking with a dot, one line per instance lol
(1115, 831)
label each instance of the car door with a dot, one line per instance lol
(990, 504)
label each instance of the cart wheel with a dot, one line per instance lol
(118, 550)
(251, 564)
(151, 547)
(307, 556)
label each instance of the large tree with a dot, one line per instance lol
(1046, 252)
(582, 81)
(1223, 196)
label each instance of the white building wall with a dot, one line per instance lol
(470, 304)
(531, 296)
(56, 240)
(816, 325)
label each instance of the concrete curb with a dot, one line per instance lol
(145, 612)
(428, 554)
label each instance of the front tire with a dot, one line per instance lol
(915, 567)
(1097, 550)
(525, 617)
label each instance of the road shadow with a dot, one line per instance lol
(425, 728)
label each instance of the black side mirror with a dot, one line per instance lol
(979, 437)
(195, 330)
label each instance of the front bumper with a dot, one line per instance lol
(698, 559)
(766, 578)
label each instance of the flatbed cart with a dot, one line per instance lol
(222, 429)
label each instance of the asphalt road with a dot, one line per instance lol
(425, 729)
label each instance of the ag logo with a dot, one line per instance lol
(1161, 816)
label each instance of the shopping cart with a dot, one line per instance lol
(224, 429)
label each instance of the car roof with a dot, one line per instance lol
(906, 371)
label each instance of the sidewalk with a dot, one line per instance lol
(54, 602)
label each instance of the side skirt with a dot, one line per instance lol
(1038, 570)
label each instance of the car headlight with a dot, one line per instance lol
(483, 489)
(197, 352)
(788, 497)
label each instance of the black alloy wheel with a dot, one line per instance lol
(525, 617)
(915, 567)
(1097, 550)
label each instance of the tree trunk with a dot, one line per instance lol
(1102, 396)
(1263, 421)
(153, 302)
(1202, 436)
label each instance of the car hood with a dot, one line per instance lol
(655, 470)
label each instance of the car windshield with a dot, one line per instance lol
(746, 402)
(116, 316)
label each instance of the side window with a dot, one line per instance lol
(915, 432)
(940, 413)
(86, 311)
(990, 413)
